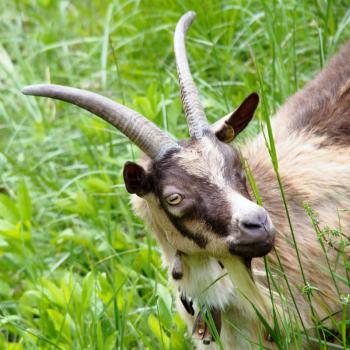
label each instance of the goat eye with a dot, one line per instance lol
(174, 199)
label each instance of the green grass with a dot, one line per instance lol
(77, 268)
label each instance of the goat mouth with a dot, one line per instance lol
(253, 242)
(251, 250)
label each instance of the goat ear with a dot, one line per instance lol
(227, 128)
(136, 179)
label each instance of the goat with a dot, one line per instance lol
(195, 197)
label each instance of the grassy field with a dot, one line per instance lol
(77, 268)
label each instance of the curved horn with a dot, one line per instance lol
(196, 119)
(147, 136)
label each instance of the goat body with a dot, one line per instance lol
(312, 138)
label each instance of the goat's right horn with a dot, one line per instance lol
(194, 111)
(147, 136)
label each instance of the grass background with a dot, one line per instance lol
(77, 268)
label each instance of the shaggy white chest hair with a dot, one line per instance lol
(206, 282)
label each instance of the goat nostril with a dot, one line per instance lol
(252, 225)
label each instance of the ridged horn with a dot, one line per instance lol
(147, 136)
(194, 111)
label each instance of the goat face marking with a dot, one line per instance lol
(202, 190)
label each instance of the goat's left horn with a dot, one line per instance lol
(146, 135)
(194, 111)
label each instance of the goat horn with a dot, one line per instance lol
(194, 111)
(147, 136)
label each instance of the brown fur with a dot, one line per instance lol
(323, 106)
